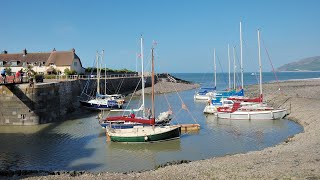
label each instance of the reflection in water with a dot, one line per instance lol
(141, 156)
(156, 147)
(256, 132)
(80, 144)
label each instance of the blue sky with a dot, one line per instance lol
(186, 30)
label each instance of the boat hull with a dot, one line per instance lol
(202, 97)
(144, 134)
(270, 114)
(119, 126)
(210, 109)
(95, 106)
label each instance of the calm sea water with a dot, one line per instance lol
(207, 79)
(80, 144)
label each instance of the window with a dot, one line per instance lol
(24, 64)
(1, 63)
(14, 63)
(75, 64)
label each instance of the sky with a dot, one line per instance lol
(186, 31)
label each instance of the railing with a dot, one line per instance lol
(75, 77)
(12, 79)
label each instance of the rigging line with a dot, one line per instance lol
(271, 65)
(250, 58)
(132, 96)
(112, 85)
(120, 85)
(88, 81)
(185, 107)
(237, 73)
(174, 117)
(165, 94)
(223, 77)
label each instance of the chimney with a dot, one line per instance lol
(54, 50)
(73, 50)
(24, 51)
(4, 52)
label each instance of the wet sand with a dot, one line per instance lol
(296, 158)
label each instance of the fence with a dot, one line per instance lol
(12, 79)
(74, 77)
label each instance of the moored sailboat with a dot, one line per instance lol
(143, 133)
(99, 102)
(128, 121)
(257, 111)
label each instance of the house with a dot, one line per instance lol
(42, 62)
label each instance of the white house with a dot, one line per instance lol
(42, 62)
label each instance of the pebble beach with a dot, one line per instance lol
(298, 157)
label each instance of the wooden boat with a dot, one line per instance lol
(144, 133)
(128, 121)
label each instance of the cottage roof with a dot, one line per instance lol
(59, 58)
(29, 58)
(62, 58)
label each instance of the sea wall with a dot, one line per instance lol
(54, 101)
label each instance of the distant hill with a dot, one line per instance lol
(306, 64)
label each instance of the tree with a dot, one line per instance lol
(8, 71)
(68, 72)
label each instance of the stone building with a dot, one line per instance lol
(42, 62)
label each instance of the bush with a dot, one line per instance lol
(91, 69)
(68, 72)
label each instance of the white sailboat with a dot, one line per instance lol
(211, 107)
(208, 93)
(127, 121)
(142, 133)
(98, 101)
(258, 111)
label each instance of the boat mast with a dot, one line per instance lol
(136, 62)
(229, 66)
(234, 68)
(152, 82)
(260, 66)
(98, 74)
(215, 68)
(142, 77)
(105, 74)
(241, 66)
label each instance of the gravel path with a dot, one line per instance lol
(296, 158)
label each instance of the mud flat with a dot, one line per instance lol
(167, 87)
(296, 158)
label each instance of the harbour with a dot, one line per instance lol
(80, 143)
(159, 90)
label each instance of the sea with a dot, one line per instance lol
(80, 143)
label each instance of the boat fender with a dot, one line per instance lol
(145, 138)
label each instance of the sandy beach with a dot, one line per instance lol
(296, 158)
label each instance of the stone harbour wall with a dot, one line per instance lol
(48, 102)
